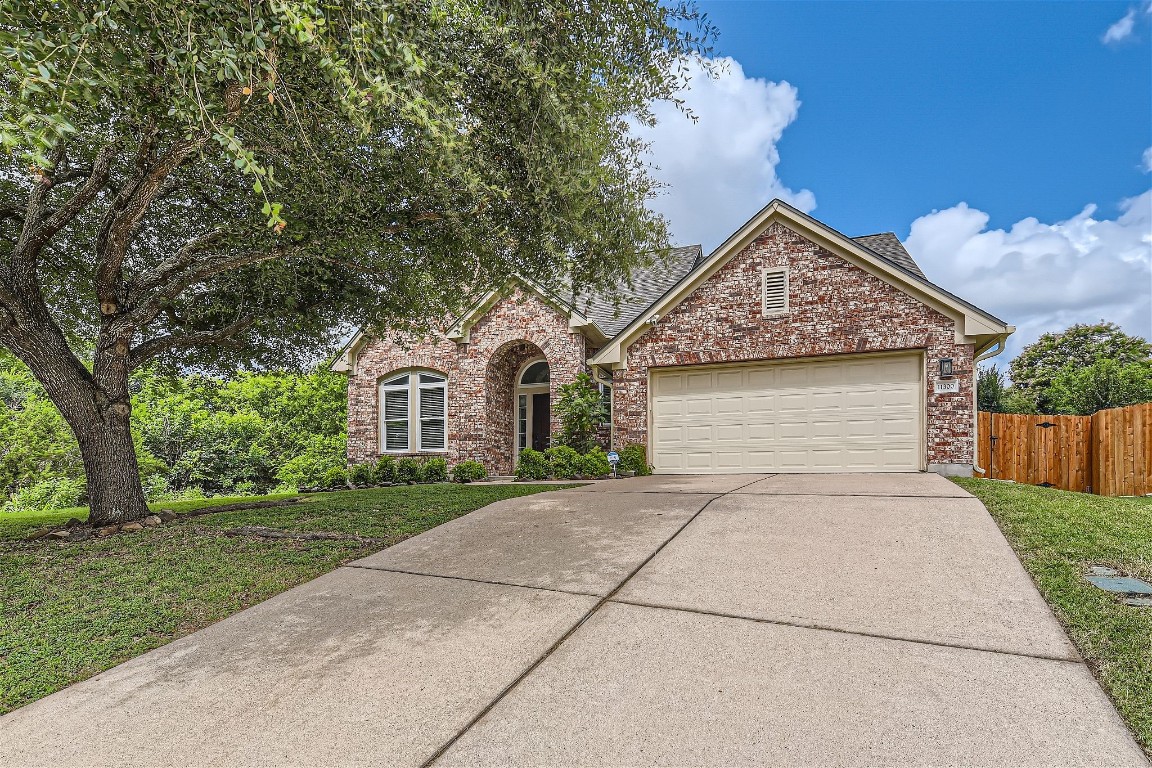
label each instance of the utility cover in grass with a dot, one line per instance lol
(1123, 585)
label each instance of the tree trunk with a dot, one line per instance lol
(115, 494)
(97, 407)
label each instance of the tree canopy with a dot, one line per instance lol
(205, 184)
(1035, 370)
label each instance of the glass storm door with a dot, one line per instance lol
(533, 407)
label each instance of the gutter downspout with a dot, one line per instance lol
(975, 407)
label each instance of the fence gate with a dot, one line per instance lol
(1051, 451)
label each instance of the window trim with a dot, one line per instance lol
(764, 272)
(606, 389)
(415, 417)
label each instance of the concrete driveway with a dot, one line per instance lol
(734, 620)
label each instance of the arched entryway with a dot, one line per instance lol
(533, 406)
(512, 372)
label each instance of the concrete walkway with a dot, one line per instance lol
(735, 620)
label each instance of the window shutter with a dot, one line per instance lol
(432, 412)
(775, 291)
(396, 405)
(396, 420)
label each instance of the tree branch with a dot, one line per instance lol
(101, 168)
(183, 271)
(128, 209)
(224, 336)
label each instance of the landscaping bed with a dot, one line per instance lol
(72, 609)
(1058, 536)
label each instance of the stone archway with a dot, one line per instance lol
(500, 390)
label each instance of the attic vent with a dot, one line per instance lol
(775, 291)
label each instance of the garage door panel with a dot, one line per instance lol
(832, 415)
(792, 402)
(698, 382)
(759, 431)
(729, 433)
(759, 403)
(698, 406)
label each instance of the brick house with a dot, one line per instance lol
(790, 348)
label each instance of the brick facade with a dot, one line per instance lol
(480, 374)
(835, 307)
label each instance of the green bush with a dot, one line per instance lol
(595, 463)
(468, 472)
(634, 458)
(309, 468)
(435, 470)
(563, 462)
(362, 474)
(580, 408)
(407, 470)
(385, 470)
(57, 493)
(531, 465)
(335, 477)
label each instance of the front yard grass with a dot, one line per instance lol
(1057, 535)
(73, 609)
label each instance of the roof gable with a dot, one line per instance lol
(973, 325)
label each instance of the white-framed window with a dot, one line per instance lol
(413, 412)
(606, 400)
(774, 290)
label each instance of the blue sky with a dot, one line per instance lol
(1007, 143)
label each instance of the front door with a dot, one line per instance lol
(541, 426)
(532, 415)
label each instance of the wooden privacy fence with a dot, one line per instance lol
(1108, 453)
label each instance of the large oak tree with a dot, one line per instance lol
(200, 183)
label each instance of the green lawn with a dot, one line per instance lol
(1057, 535)
(72, 610)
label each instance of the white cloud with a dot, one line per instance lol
(1147, 160)
(1044, 277)
(1125, 27)
(722, 168)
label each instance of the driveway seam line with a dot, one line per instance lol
(561, 640)
(858, 495)
(842, 631)
(474, 581)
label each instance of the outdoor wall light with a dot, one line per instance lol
(945, 366)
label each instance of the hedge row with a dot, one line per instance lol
(389, 470)
(564, 463)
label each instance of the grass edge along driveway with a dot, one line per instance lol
(1057, 536)
(71, 610)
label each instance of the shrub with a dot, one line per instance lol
(385, 470)
(595, 463)
(435, 470)
(531, 465)
(580, 407)
(57, 493)
(563, 462)
(634, 458)
(468, 472)
(309, 468)
(407, 470)
(362, 474)
(335, 477)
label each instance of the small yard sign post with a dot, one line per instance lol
(613, 459)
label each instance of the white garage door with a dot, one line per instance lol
(853, 414)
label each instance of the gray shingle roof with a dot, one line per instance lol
(648, 285)
(888, 246)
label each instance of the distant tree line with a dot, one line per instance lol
(1084, 369)
(194, 435)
